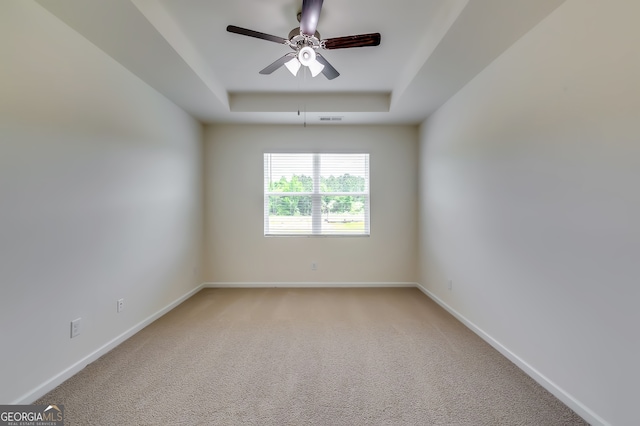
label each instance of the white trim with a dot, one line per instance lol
(558, 392)
(367, 203)
(66, 374)
(316, 198)
(306, 284)
(545, 382)
(316, 194)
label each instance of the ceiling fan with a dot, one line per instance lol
(305, 41)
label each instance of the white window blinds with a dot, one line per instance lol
(316, 194)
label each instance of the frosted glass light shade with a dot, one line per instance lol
(315, 67)
(293, 65)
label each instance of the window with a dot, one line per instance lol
(316, 194)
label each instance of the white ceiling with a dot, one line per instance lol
(429, 50)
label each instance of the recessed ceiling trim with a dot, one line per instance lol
(438, 27)
(310, 102)
(180, 48)
(158, 16)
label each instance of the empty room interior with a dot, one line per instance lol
(493, 151)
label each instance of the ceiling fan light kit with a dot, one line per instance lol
(307, 57)
(305, 41)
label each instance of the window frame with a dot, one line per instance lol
(316, 195)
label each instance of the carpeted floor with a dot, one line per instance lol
(375, 356)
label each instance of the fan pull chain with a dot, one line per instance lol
(299, 91)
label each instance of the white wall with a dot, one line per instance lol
(529, 203)
(237, 251)
(100, 199)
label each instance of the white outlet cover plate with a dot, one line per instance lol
(75, 327)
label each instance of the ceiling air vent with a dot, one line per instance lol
(330, 118)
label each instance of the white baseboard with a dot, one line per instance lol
(306, 284)
(558, 392)
(549, 385)
(66, 374)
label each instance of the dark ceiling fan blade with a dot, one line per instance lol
(360, 40)
(278, 63)
(329, 71)
(310, 15)
(256, 34)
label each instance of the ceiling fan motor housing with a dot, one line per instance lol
(296, 33)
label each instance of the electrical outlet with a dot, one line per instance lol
(120, 305)
(450, 285)
(314, 266)
(75, 327)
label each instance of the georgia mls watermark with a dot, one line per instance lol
(31, 415)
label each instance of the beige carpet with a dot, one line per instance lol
(307, 357)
